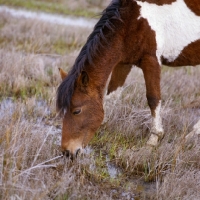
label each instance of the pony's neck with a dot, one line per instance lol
(103, 65)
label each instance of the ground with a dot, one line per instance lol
(117, 164)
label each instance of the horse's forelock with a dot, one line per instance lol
(64, 93)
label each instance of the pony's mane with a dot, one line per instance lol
(89, 51)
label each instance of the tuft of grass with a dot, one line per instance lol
(25, 75)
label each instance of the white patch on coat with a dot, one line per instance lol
(175, 26)
(157, 127)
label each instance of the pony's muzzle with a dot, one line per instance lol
(70, 155)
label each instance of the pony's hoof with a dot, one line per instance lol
(192, 134)
(153, 140)
(195, 131)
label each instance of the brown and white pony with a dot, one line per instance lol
(145, 33)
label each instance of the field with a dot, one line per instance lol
(117, 163)
(88, 8)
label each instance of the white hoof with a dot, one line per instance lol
(190, 135)
(195, 131)
(153, 140)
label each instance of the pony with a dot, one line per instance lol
(144, 33)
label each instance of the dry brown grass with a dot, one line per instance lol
(86, 8)
(175, 159)
(92, 4)
(31, 52)
(30, 163)
(33, 36)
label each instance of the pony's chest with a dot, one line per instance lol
(175, 25)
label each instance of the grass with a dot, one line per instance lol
(87, 9)
(33, 36)
(33, 52)
(30, 130)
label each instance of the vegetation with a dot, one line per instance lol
(117, 163)
(89, 8)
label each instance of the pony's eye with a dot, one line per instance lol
(77, 112)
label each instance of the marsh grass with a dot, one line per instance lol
(25, 75)
(31, 52)
(89, 8)
(155, 164)
(31, 166)
(33, 36)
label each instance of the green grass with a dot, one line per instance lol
(49, 7)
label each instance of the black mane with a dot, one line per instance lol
(87, 53)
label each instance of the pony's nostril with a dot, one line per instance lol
(66, 153)
(69, 155)
(77, 152)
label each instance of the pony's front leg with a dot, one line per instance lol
(151, 70)
(118, 77)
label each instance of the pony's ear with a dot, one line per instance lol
(63, 74)
(84, 78)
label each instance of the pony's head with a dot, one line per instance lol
(80, 95)
(82, 117)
